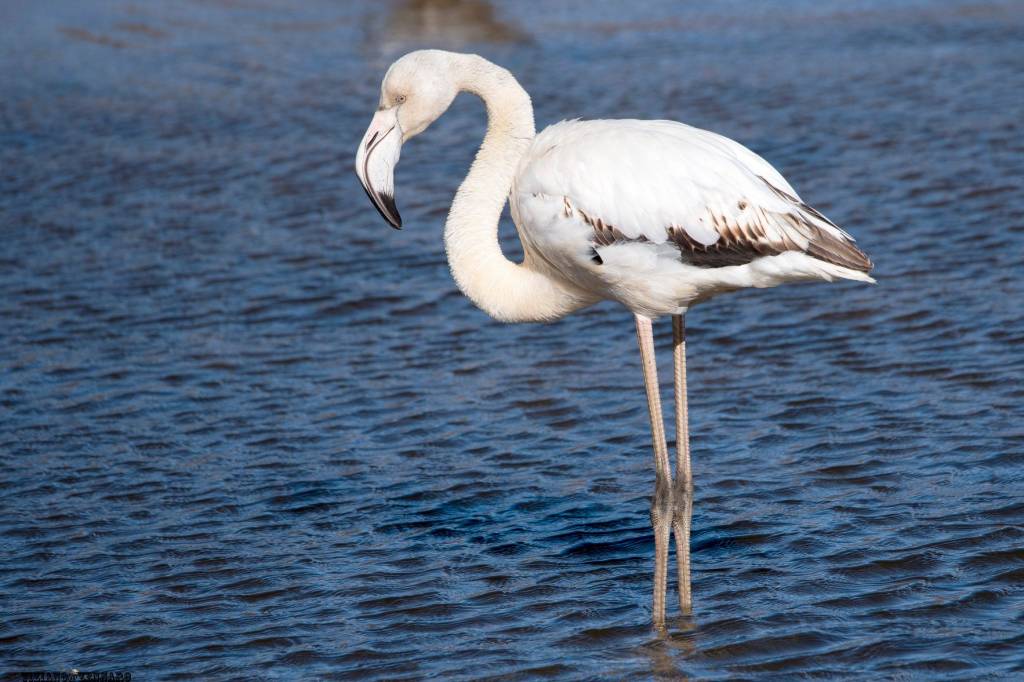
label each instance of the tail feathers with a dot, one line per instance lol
(858, 275)
(838, 251)
(826, 241)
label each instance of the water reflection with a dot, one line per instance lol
(674, 646)
(449, 24)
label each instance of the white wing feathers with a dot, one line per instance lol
(663, 181)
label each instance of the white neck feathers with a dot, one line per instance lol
(506, 291)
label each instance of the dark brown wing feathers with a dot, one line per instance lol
(821, 244)
(741, 243)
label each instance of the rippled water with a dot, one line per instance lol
(248, 431)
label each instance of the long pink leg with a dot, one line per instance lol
(682, 511)
(661, 505)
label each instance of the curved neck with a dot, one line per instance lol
(505, 290)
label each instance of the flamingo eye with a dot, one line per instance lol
(399, 99)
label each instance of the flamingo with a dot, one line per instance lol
(656, 215)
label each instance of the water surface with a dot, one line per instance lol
(248, 431)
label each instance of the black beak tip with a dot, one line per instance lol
(385, 205)
(391, 211)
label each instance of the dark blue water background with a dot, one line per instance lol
(248, 431)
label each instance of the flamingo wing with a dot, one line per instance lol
(661, 182)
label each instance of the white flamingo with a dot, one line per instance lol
(656, 215)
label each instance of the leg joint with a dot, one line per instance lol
(663, 502)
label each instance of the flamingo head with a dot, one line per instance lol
(416, 90)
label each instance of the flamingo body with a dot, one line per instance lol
(658, 215)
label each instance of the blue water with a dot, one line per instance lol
(249, 431)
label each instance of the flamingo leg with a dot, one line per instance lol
(661, 504)
(682, 510)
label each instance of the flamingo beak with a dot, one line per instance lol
(375, 163)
